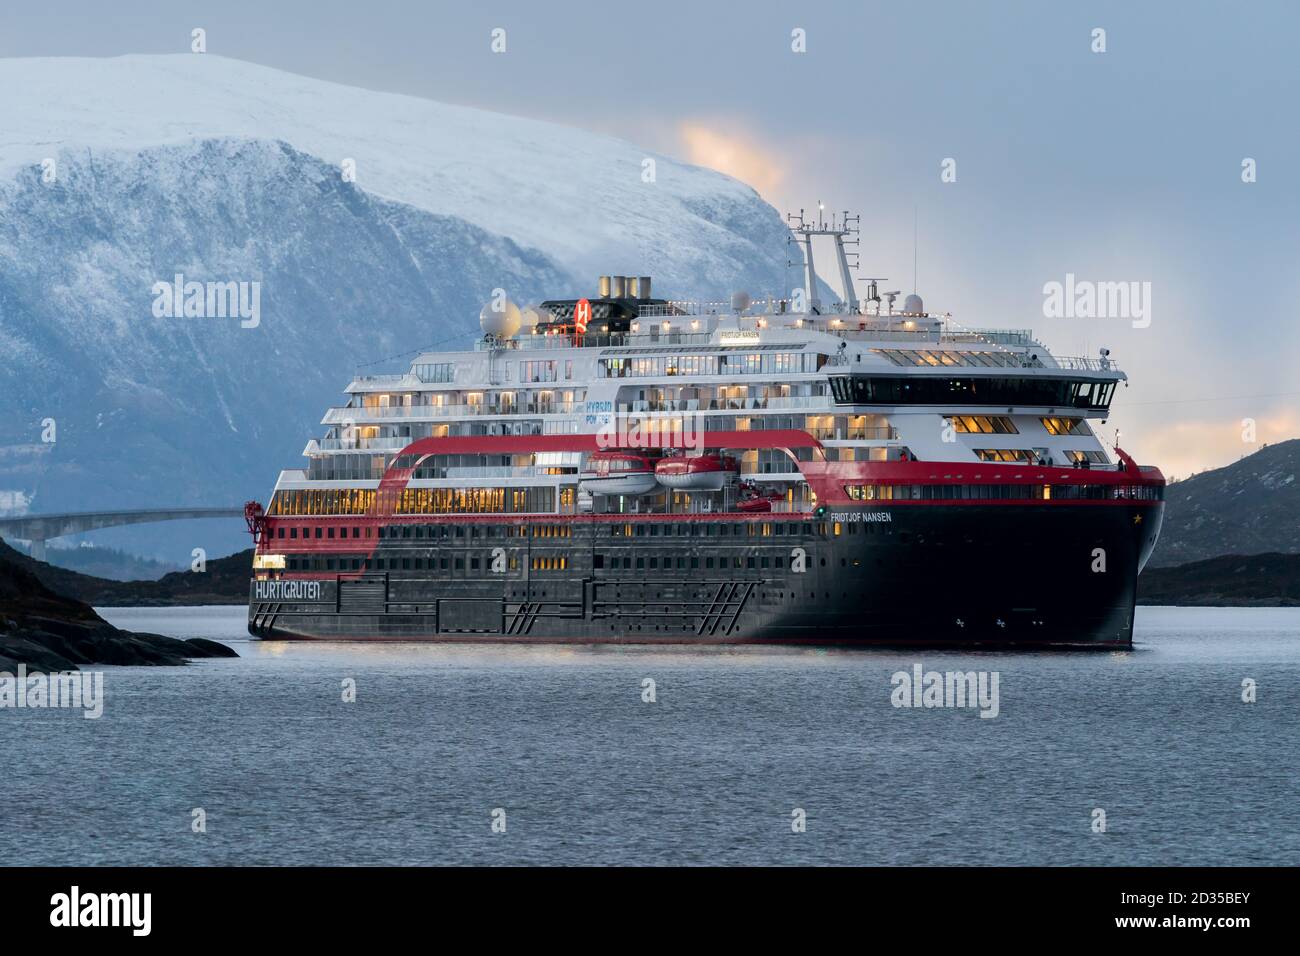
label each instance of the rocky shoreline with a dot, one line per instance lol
(50, 632)
(1254, 580)
(222, 581)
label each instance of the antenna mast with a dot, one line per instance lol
(914, 219)
(844, 229)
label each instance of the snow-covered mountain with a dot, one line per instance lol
(116, 174)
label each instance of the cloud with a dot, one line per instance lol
(730, 150)
(1183, 448)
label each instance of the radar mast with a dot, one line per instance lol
(844, 229)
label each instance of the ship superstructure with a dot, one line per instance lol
(621, 467)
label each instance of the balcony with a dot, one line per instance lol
(819, 402)
(1078, 363)
(338, 415)
(358, 444)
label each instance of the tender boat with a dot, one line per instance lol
(696, 473)
(619, 472)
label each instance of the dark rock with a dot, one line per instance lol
(51, 632)
(223, 581)
(202, 647)
(1256, 580)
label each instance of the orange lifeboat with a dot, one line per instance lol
(696, 473)
(618, 472)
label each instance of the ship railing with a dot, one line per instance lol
(819, 402)
(343, 414)
(1081, 363)
(393, 377)
(362, 444)
(1018, 337)
(990, 336)
(562, 473)
(761, 306)
(815, 403)
(881, 433)
(528, 342)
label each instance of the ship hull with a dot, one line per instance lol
(907, 574)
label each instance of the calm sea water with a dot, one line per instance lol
(586, 772)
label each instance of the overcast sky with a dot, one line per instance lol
(1117, 166)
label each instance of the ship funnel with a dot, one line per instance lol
(618, 287)
(603, 283)
(643, 288)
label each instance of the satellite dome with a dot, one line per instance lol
(739, 301)
(913, 305)
(530, 316)
(502, 321)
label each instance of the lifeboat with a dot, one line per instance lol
(616, 472)
(697, 473)
(753, 498)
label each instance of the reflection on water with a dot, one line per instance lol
(736, 738)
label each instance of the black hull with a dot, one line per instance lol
(1042, 575)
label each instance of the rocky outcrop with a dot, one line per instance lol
(50, 632)
(1234, 580)
(222, 581)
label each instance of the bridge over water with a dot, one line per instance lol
(40, 528)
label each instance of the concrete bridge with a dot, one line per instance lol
(40, 528)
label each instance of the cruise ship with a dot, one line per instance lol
(621, 468)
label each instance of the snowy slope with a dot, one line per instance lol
(577, 196)
(226, 171)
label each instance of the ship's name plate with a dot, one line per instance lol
(287, 590)
(847, 517)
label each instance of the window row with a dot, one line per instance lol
(752, 529)
(983, 424)
(362, 501)
(1002, 492)
(421, 532)
(743, 363)
(932, 357)
(1065, 426)
(684, 562)
(991, 390)
(435, 371)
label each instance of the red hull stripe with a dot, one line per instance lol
(826, 479)
(353, 546)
